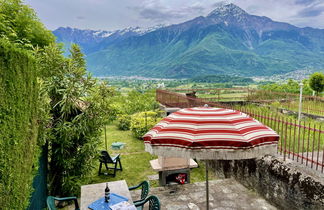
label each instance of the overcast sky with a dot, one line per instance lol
(118, 14)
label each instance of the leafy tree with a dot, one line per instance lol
(79, 111)
(291, 86)
(132, 103)
(316, 82)
(142, 122)
(20, 25)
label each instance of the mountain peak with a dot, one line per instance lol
(225, 9)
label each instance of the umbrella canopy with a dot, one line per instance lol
(210, 133)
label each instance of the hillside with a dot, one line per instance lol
(227, 41)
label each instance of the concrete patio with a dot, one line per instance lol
(225, 194)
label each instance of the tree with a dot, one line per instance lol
(79, 112)
(20, 25)
(316, 82)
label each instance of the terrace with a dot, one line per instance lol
(300, 150)
(235, 184)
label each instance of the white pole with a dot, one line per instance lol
(300, 100)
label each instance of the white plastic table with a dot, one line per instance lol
(92, 192)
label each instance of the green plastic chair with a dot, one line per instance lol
(51, 202)
(145, 185)
(106, 159)
(154, 203)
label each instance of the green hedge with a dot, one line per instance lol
(123, 122)
(142, 122)
(18, 126)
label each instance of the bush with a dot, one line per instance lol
(19, 118)
(142, 122)
(123, 122)
(316, 82)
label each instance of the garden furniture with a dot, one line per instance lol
(51, 202)
(208, 133)
(145, 186)
(92, 192)
(154, 203)
(106, 159)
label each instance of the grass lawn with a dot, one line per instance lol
(135, 161)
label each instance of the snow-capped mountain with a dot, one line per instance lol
(226, 41)
(93, 40)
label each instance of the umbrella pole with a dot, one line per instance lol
(207, 188)
(106, 139)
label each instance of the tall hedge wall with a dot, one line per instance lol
(18, 126)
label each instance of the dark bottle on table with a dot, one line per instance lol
(107, 193)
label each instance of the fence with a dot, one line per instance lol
(301, 142)
(218, 94)
(311, 104)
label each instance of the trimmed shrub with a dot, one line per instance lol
(19, 115)
(123, 122)
(142, 122)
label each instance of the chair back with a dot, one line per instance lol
(50, 203)
(145, 189)
(154, 202)
(105, 157)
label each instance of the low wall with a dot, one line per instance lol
(285, 184)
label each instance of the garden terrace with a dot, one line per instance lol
(301, 141)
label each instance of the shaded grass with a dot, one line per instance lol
(135, 161)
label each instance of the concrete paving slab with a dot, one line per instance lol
(225, 194)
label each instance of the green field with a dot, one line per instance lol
(290, 135)
(309, 107)
(135, 161)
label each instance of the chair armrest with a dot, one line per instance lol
(73, 198)
(140, 203)
(115, 158)
(65, 198)
(134, 187)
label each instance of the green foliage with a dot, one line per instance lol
(19, 117)
(222, 79)
(80, 107)
(207, 51)
(20, 25)
(291, 86)
(132, 103)
(124, 121)
(316, 82)
(142, 122)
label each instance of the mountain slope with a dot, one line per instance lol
(227, 41)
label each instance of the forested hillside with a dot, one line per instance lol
(227, 41)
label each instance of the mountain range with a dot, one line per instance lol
(227, 41)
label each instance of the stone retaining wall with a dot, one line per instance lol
(285, 184)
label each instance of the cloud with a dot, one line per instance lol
(80, 17)
(305, 2)
(154, 14)
(171, 11)
(112, 14)
(310, 12)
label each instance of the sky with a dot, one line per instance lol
(119, 14)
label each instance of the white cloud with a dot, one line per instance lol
(117, 14)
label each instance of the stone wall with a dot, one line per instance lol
(285, 184)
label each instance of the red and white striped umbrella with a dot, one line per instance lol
(210, 133)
